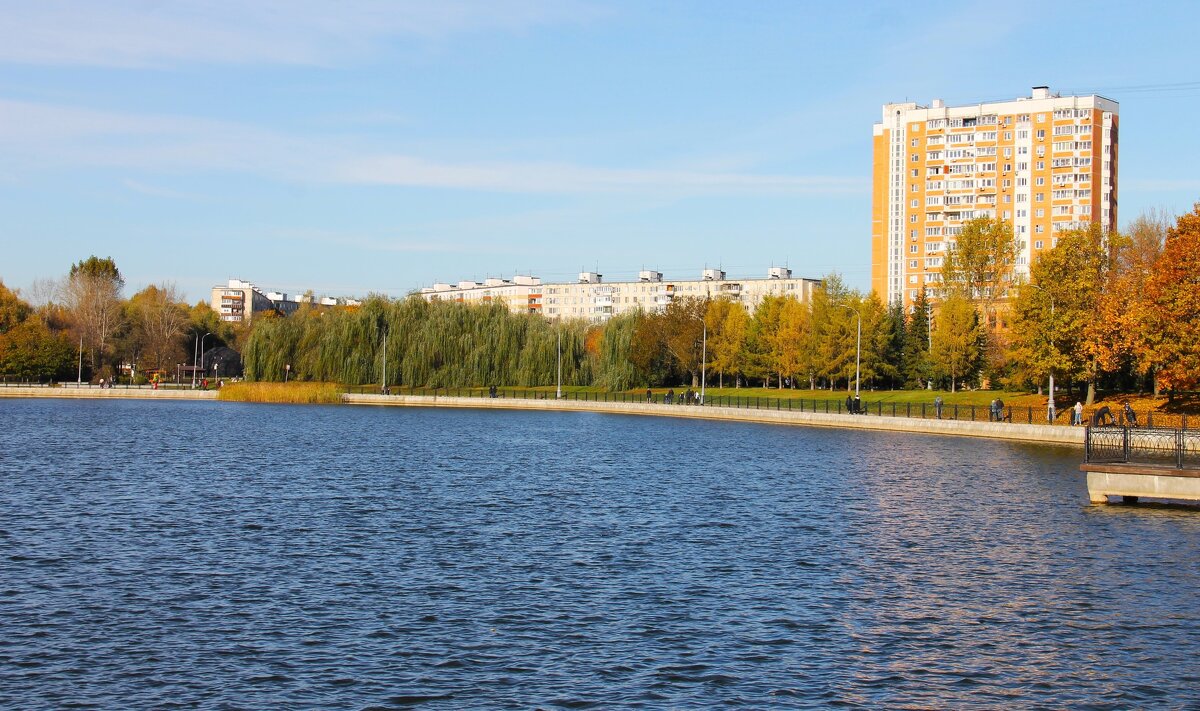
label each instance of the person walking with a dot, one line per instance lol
(1050, 414)
(1077, 413)
(937, 406)
(649, 395)
(1130, 415)
(1000, 410)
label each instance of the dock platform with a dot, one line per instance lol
(1134, 463)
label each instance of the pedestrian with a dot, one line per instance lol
(992, 411)
(649, 395)
(670, 396)
(937, 406)
(1130, 415)
(1000, 410)
(1103, 416)
(1077, 413)
(1050, 414)
(849, 404)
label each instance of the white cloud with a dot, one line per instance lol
(537, 177)
(134, 33)
(35, 137)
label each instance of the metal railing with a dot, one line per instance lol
(1156, 447)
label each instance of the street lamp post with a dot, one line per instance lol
(558, 388)
(703, 351)
(79, 375)
(201, 357)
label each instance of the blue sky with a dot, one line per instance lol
(365, 146)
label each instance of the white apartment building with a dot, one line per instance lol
(593, 299)
(237, 301)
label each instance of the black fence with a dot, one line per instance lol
(1161, 447)
(877, 408)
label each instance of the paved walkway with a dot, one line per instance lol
(992, 430)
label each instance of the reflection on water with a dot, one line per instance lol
(232, 555)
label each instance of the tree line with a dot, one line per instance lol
(82, 326)
(1109, 310)
(1115, 310)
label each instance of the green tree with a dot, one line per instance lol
(957, 335)
(918, 369)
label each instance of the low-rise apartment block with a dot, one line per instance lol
(592, 298)
(237, 301)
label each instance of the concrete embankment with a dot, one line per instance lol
(992, 430)
(109, 393)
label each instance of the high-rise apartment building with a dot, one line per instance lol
(1043, 163)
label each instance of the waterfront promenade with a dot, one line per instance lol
(960, 428)
(991, 430)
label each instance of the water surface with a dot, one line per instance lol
(220, 555)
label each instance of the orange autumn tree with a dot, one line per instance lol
(1173, 295)
(1118, 336)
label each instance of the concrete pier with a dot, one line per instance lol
(1132, 482)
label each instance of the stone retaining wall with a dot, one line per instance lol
(109, 393)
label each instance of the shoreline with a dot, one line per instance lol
(1044, 434)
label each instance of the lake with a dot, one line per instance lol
(220, 555)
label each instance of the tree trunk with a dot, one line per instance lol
(1091, 393)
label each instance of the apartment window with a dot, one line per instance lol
(912, 264)
(1022, 213)
(1039, 212)
(914, 158)
(1041, 118)
(1008, 153)
(1041, 133)
(1022, 135)
(912, 188)
(1008, 135)
(1023, 166)
(915, 142)
(1039, 181)
(913, 203)
(913, 235)
(912, 218)
(1022, 198)
(1039, 197)
(1007, 214)
(1008, 198)
(1007, 183)
(914, 172)
(1041, 165)
(912, 248)
(1022, 182)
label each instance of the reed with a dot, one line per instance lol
(292, 393)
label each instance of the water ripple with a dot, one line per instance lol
(214, 555)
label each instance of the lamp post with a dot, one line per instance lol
(857, 350)
(1050, 403)
(703, 351)
(201, 353)
(79, 375)
(558, 389)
